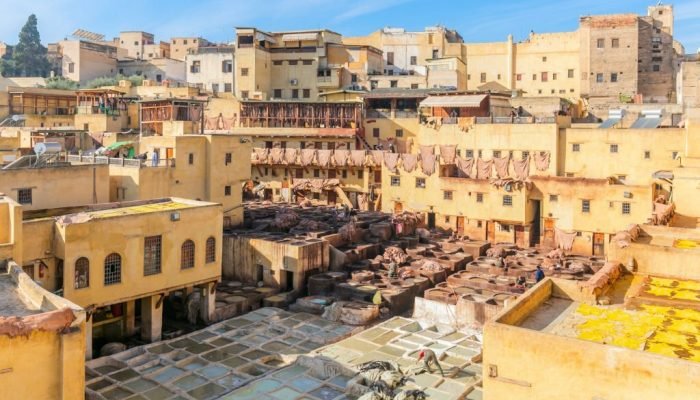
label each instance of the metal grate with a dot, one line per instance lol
(82, 273)
(507, 200)
(113, 269)
(187, 255)
(24, 196)
(210, 251)
(152, 255)
(626, 208)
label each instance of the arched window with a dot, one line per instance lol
(210, 251)
(113, 269)
(82, 273)
(187, 255)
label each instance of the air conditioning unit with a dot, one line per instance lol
(294, 82)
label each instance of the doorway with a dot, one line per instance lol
(259, 273)
(491, 231)
(598, 244)
(535, 227)
(431, 220)
(460, 226)
(398, 207)
(288, 281)
(548, 236)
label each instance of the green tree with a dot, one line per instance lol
(28, 56)
(59, 82)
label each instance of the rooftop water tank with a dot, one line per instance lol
(47, 148)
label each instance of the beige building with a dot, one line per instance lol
(37, 107)
(298, 65)
(211, 69)
(84, 60)
(135, 43)
(180, 47)
(42, 344)
(154, 69)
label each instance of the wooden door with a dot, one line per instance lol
(520, 236)
(598, 244)
(548, 234)
(332, 197)
(460, 226)
(169, 155)
(398, 208)
(431, 220)
(491, 231)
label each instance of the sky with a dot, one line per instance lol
(476, 21)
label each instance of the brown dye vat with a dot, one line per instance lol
(434, 277)
(442, 295)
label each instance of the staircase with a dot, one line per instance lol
(364, 142)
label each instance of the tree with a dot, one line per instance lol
(29, 56)
(59, 82)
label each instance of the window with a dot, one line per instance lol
(569, 174)
(615, 43)
(554, 76)
(399, 133)
(151, 255)
(447, 195)
(113, 269)
(469, 77)
(498, 77)
(394, 84)
(545, 77)
(508, 200)
(479, 224)
(519, 77)
(420, 183)
(503, 227)
(534, 77)
(436, 53)
(414, 86)
(187, 255)
(215, 87)
(483, 77)
(244, 94)
(599, 78)
(277, 93)
(307, 62)
(184, 41)
(626, 208)
(544, 59)
(570, 73)
(575, 147)
(613, 77)
(674, 155)
(210, 251)
(647, 155)
(360, 174)
(390, 58)
(295, 93)
(82, 273)
(656, 68)
(306, 93)
(227, 159)
(447, 219)
(613, 148)
(196, 66)
(227, 190)
(244, 71)
(469, 153)
(317, 173)
(496, 154)
(24, 196)
(524, 155)
(344, 174)
(299, 173)
(585, 206)
(414, 60)
(600, 43)
(395, 181)
(71, 67)
(479, 197)
(353, 78)
(159, 78)
(553, 198)
(227, 66)
(375, 132)
(190, 158)
(277, 62)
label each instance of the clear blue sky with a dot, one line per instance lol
(477, 21)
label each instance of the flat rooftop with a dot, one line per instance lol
(650, 314)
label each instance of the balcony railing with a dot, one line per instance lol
(123, 162)
(514, 120)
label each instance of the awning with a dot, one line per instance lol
(119, 145)
(454, 101)
(295, 37)
(609, 123)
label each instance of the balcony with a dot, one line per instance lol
(122, 162)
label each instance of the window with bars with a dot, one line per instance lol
(525, 155)
(479, 197)
(395, 181)
(228, 159)
(420, 183)
(375, 132)
(187, 255)
(152, 255)
(24, 196)
(585, 206)
(447, 195)
(210, 251)
(576, 147)
(469, 153)
(507, 200)
(626, 208)
(113, 269)
(82, 273)
(553, 198)
(227, 190)
(613, 148)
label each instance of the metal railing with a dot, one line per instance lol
(513, 120)
(378, 113)
(124, 162)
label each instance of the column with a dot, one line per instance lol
(130, 317)
(151, 318)
(208, 302)
(88, 339)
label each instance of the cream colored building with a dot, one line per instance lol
(180, 47)
(211, 69)
(83, 60)
(135, 43)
